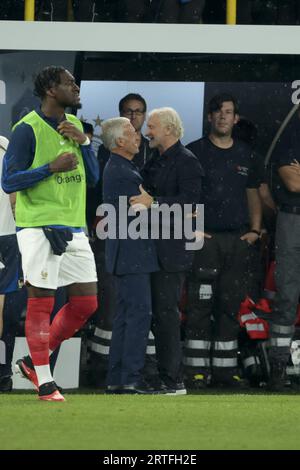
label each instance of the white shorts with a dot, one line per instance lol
(41, 268)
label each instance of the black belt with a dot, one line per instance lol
(290, 209)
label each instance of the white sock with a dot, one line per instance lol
(50, 352)
(43, 374)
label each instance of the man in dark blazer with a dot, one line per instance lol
(130, 260)
(172, 177)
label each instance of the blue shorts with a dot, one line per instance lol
(9, 264)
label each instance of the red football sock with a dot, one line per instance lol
(71, 318)
(37, 327)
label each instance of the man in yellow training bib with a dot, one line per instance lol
(48, 162)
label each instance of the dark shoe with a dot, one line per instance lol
(173, 388)
(49, 392)
(6, 384)
(113, 390)
(197, 382)
(233, 382)
(277, 379)
(141, 389)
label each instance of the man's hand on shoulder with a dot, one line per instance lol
(65, 162)
(67, 129)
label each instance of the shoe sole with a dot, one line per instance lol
(58, 400)
(20, 371)
(55, 396)
(177, 393)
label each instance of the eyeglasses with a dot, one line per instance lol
(131, 112)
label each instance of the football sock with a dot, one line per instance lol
(71, 318)
(37, 326)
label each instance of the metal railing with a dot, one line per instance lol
(231, 12)
(29, 10)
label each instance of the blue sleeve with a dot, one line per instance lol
(18, 158)
(91, 165)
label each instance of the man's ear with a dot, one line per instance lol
(120, 142)
(51, 92)
(209, 117)
(168, 130)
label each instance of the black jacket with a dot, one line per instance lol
(174, 177)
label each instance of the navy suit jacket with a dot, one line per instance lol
(174, 177)
(122, 178)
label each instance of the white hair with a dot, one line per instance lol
(112, 130)
(169, 118)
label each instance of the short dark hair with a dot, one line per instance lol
(87, 127)
(215, 104)
(47, 78)
(132, 96)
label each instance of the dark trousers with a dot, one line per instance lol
(99, 344)
(130, 329)
(287, 278)
(11, 317)
(220, 280)
(166, 290)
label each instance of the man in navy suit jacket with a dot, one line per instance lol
(130, 260)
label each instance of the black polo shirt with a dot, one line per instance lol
(228, 173)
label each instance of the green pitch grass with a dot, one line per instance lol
(199, 422)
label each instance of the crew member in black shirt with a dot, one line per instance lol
(221, 274)
(286, 158)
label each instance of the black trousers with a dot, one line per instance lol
(220, 280)
(287, 278)
(11, 318)
(166, 290)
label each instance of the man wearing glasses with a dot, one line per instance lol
(132, 106)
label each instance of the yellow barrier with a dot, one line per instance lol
(231, 12)
(29, 10)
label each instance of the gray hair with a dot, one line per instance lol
(112, 130)
(169, 118)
